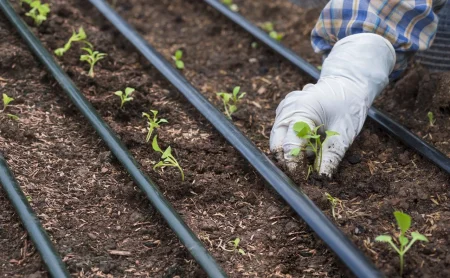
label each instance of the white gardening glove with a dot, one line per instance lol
(355, 72)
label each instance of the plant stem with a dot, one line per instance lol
(91, 71)
(401, 264)
(181, 171)
(226, 110)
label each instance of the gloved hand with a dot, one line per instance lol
(355, 72)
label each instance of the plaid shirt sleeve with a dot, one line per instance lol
(409, 25)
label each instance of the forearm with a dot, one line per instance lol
(409, 26)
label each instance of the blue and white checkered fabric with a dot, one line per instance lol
(409, 25)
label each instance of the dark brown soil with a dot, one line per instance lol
(89, 205)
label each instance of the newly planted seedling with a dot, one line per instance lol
(177, 58)
(38, 11)
(91, 58)
(269, 28)
(153, 123)
(313, 142)
(231, 5)
(404, 223)
(6, 101)
(333, 201)
(167, 159)
(431, 118)
(125, 97)
(230, 101)
(76, 37)
(236, 247)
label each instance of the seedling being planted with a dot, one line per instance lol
(125, 97)
(230, 101)
(177, 58)
(167, 159)
(38, 11)
(230, 5)
(153, 123)
(404, 223)
(313, 142)
(91, 58)
(269, 28)
(431, 118)
(76, 37)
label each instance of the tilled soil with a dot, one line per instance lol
(89, 205)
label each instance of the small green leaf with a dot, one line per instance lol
(403, 221)
(167, 153)
(236, 242)
(155, 145)
(302, 129)
(179, 64)
(419, 236)
(383, 238)
(154, 112)
(330, 133)
(241, 251)
(146, 115)
(267, 26)
(7, 99)
(178, 54)
(129, 91)
(162, 121)
(295, 152)
(119, 93)
(88, 50)
(242, 95)
(232, 108)
(13, 117)
(236, 90)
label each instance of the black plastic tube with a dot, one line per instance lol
(187, 237)
(391, 126)
(288, 190)
(35, 231)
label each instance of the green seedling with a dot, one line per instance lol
(254, 45)
(231, 5)
(76, 37)
(236, 246)
(6, 101)
(230, 101)
(404, 223)
(313, 142)
(38, 11)
(91, 58)
(333, 201)
(269, 28)
(177, 58)
(153, 123)
(125, 97)
(431, 118)
(167, 159)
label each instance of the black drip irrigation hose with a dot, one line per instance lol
(35, 231)
(187, 237)
(287, 189)
(391, 126)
